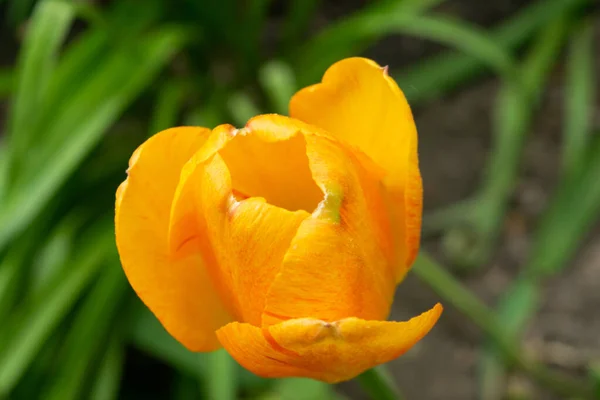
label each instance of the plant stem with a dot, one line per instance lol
(221, 376)
(379, 384)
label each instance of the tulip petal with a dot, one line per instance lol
(273, 167)
(246, 238)
(175, 286)
(359, 103)
(338, 264)
(331, 352)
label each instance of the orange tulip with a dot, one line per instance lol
(283, 241)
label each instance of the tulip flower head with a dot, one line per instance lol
(283, 241)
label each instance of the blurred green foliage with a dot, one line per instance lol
(92, 80)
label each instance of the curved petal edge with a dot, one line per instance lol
(328, 351)
(174, 285)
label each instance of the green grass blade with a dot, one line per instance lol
(561, 230)
(108, 377)
(30, 386)
(87, 333)
(513, 115)
(10, 277)
(47, 30)
(461, 36)
(101, 101)
(3, 169)
(184, 388)
(570, 216)
(80, 60)
(438, 75)
(208, 117)
(595, 374)
(455, 294)
(297, 20)
(513, 119)
(279, 83)
(18, 10)
(560, 233)
(579, 99)
(518, 303)
(242, 107)
(123, 76)
(54, 253)
(169, 104)
(7, 76)
(35, 252)
(351, 35)
(255, 18)
(148, 335)
(379, 384)
(468, 39)
(91, 14)
(20, 350)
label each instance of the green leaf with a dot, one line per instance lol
(7, 76)
(379, 384)
(455, 294)
(461, 36)
(184, 388)
(572, 213)
(19, 266)
(455, 33)
(279, 83)
(255, 17)
(517, 305)
(439, 74)
(579, 99)
(513, 114)
(3, 169)
(47, 30)
(10, 277)
(169, 104)
(299, 15)
(18, 10)
(108, 377)
(595, 374)
(101, 100)
(36, 326)
(148, 335)
(87, 333)
(54, 253)
(242, 108)
(352, 34)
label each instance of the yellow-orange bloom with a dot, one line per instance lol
(283, 241)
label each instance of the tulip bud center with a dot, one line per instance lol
(277, 171)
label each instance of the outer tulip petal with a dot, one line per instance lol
(246, 238)
(175, 286)
(359, 103)
(345, 242)
(331, 352)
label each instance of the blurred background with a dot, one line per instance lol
(505, 97)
